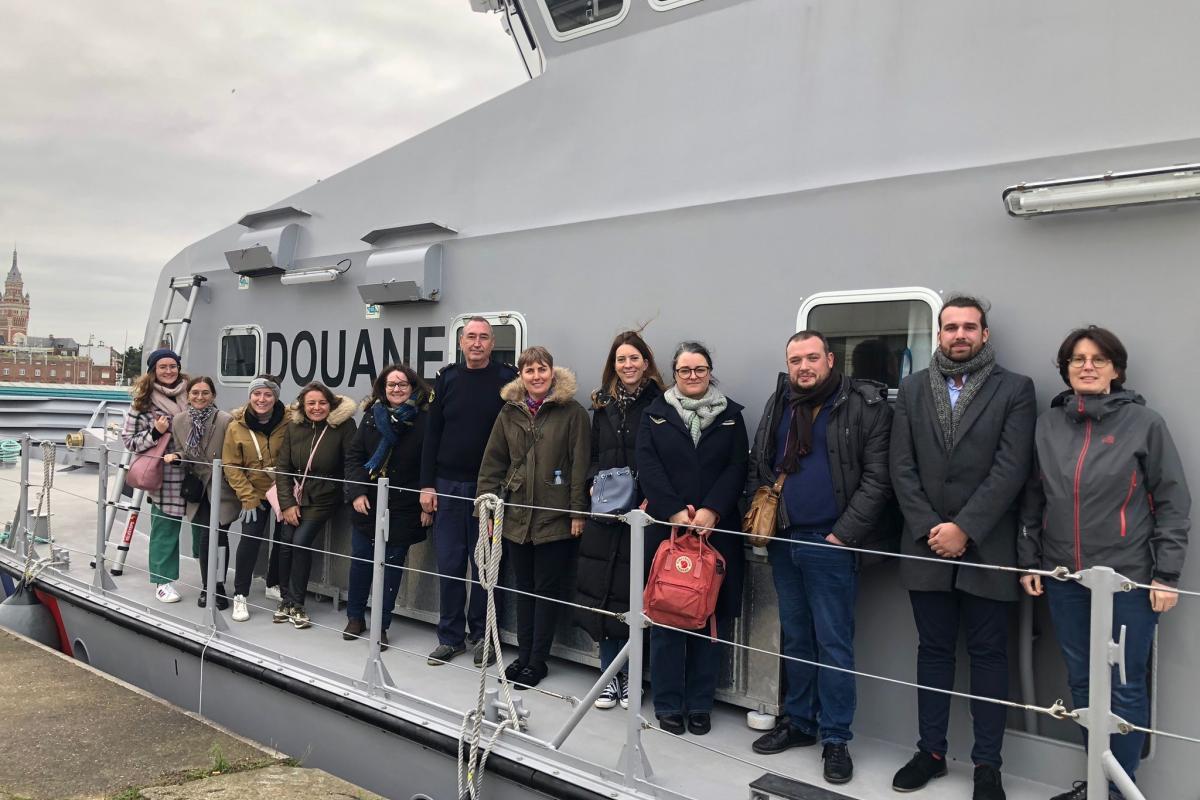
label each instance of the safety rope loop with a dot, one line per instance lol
(32, 568)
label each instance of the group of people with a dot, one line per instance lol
(961, 469)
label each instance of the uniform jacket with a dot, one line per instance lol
(211, 446)
(860, 425)
(977, 485)
(403, 471)
(247, 473)
(321, 497)
(523, 453)
(603, 573)
(1109, 490)
(674, 473)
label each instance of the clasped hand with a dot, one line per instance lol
(948, 540)
(692, 517)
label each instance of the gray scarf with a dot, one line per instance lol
(697, 413)
(977, 369)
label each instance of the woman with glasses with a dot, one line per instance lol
(629, 383)
(1108, 490)
(692, 456)
(386, 445)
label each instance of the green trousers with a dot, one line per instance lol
(163, 555)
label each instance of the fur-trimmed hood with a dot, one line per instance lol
(344, 410)
(562, 390)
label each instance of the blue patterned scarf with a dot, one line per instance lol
(391, 423)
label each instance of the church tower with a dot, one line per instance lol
(14, 308)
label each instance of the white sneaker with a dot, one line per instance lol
(272, 593)
(241, 612)
(166, 593)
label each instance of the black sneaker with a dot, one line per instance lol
(1078, 791)
(838, 766)
(920, 770)
(671, 723)
(514, 669)
(531, 676)
(783, 736)
(987, 784)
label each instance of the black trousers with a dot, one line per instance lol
(200, 521)
(249, 543)
(938, 616)
(540, 569)
(295, 563)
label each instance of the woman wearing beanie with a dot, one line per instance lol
(387, 445)
(199, 433)
(308, 478)
(252, 444)
(158, 395)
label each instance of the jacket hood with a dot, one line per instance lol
(343, 411)
(1095, 406)
(562, 391)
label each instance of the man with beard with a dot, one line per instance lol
(826, 436)
(962, 448)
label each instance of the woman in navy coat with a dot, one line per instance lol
(692, 455)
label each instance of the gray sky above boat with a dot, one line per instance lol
(130, 129)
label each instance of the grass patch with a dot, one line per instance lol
(220, 766)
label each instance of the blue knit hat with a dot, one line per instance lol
(161, 353)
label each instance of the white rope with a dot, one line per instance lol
(32, 568)
(489, 548)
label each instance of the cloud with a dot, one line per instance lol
(133, 128)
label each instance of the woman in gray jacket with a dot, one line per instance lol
(1108, 490)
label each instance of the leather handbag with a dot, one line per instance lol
(146, 468)
(761, 521)
(614, 491)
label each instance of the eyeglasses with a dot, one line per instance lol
(687, 372)
(398, 385)
(1079, 362)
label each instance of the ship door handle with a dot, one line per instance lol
(1116, 654)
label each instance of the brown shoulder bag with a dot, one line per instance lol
(761, 520)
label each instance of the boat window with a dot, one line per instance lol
(508, 327)
(667, 5)
(241, 354)
(880, 334)
(573, 16)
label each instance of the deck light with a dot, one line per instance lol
(1112, 189)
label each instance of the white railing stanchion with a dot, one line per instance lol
(585, 703)
(216, 619)
(100, 578)
(634, 764)
(376, 675)
(20, 545)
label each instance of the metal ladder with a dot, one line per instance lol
(186, 288)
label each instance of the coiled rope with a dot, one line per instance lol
(489, 548)
(10, 451)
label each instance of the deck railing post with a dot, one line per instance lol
(635, 766)
(376, 675)
(215, 619)
(18, 538)
(100, 578)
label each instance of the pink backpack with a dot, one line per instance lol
(685, 579)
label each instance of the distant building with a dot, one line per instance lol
(14, 308)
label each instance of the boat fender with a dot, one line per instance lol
(23, 614)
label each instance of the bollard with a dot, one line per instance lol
(376, 674)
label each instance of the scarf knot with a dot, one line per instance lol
(697, 413)
(391, 423)
(977, 369)
(805, 404)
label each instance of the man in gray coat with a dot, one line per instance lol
(961, 451)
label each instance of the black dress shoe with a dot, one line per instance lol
(920, 770)
(1078, 791)
(222, 599)
(699, 723)
(781, 737)
(839, 768)
(987, 784)
(383, 642)
(671, 723)
(202, 600)
(531, 676)
(354, 629)
(514, 669)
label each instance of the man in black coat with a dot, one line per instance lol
(828, 435)
(962, 449)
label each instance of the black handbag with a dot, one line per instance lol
(192, 488)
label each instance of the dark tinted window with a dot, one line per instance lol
(882, 340)
(239, 355)
(571, 14)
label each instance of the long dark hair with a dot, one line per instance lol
(420, 389)
(608, 377)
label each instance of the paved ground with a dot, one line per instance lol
(73, 732)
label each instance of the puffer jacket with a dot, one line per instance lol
(200, 462)
(524, 452)
(321, 497)
(860, 426)
(247, 473)
(1108, 490)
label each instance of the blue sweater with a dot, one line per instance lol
(808, 493)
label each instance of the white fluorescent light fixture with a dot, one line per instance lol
(1110, 190)
(310, 276)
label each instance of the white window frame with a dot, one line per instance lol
(240, 330)
(582, 30)
(495, 318)
(668, 5)
(859, 296)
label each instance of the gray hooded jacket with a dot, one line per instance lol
(1108, 490)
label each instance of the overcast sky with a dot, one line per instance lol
(130, 128)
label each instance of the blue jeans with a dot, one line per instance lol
(1071, 608)
(362, 546)
(454, 533)
(817, 588)
(609, 650)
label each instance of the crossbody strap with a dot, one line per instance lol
(311, 454)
